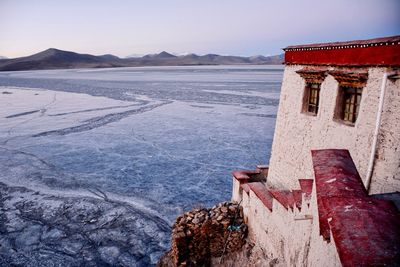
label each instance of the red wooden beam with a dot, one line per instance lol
(374, 52)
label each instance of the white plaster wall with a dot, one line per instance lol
(297, 133)
(288, 237)
(263, 229)
(279, 233)
(386, 175)
(321, 253)
(236, 190)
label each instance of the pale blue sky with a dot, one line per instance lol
(239, 27)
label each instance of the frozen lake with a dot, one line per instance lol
(163, 139)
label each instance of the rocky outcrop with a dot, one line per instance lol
(203, 236)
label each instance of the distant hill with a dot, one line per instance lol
(162, 55)
(277, 59)
(58, 59)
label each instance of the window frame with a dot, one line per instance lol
(311, 98)
(348, 104)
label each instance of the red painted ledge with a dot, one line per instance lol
(306, 186)
(244, 175)
(285, 197)
(260, 190)
(366, 231)
(335, 176)
(297, 198)
(245, 187)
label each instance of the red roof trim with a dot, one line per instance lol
(349, 44)
(375, 52)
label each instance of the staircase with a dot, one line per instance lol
(254, 180)
(273, 215)
(365, 231)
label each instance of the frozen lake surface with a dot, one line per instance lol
(159, 139)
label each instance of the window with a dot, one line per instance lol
(351, 103)
(313, 77)
(348, 104)
(351, 84)
(311, 98)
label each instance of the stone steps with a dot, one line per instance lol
(260, 190)
(287, 198)
(284, 197)
(365, 230)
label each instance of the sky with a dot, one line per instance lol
(227, 27)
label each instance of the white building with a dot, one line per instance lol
(336, 146)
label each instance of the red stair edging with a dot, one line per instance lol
(297, 198)
(285, 197)
(306, 186)
(244, 175)
(245, 187)
(262, 193)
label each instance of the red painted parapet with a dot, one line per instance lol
(366, 231)
(297, 198)
(244, 175)
(245, 187)
(260, 190)
(285, 197)
(306, 186)
(374, 52)
(335, 176)
(253, 180)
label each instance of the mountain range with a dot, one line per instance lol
(58, 59)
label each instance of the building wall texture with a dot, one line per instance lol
(284, 234)
(297, 133)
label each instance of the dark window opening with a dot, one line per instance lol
(311, 104)
(351, 103)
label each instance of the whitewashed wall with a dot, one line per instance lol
(297, 133)
(286, 238)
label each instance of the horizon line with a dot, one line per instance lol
(139, 55)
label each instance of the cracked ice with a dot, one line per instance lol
(96, 164)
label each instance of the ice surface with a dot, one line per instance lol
(162, 139)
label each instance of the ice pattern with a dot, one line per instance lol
(162, 139)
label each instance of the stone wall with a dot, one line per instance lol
(202, 236)
(297, 133)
